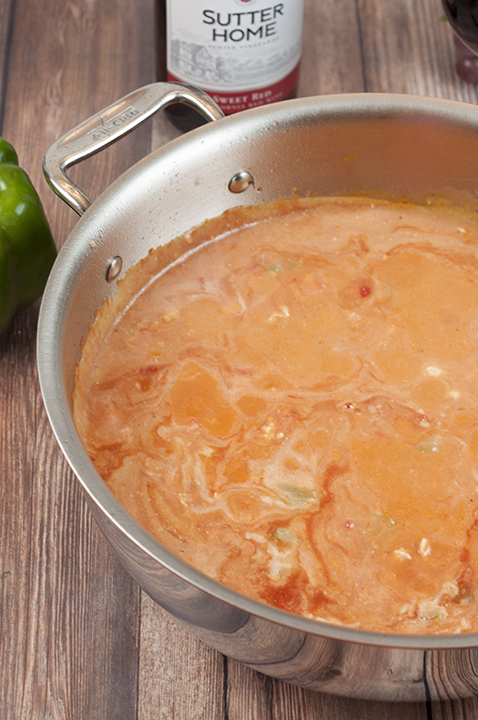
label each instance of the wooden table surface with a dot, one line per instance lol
(78, 639)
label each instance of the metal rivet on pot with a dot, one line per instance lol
(113, 268)
(240, 181)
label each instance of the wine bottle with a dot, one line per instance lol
(243, 53)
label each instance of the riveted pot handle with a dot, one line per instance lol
(108, 126)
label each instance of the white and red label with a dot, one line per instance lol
(244, 53)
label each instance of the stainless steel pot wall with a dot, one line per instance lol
(336, 145)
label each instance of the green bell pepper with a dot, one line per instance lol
(27, 248)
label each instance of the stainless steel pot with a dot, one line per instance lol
(398, 145)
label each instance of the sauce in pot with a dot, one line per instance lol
(287, 398)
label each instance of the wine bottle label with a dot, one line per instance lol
(243, 53)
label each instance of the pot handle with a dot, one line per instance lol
(111, 124)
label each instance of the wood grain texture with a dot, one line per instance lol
(409, 49)
(6, 21)
(69, 613)
(177, 671)
(331, 59)
(67, 61)
(78, 641)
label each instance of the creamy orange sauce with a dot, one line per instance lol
(293, 408)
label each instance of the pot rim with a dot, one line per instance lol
(53, 383)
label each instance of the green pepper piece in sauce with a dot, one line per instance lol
(27, 248)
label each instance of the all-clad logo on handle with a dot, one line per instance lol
(106, 128)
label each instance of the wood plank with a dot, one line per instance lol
(331, 52)
(16, 440)
(410, 51)
(179, 675)
(86, 56)
(6, 23)
(466, 709)
(69, 613)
